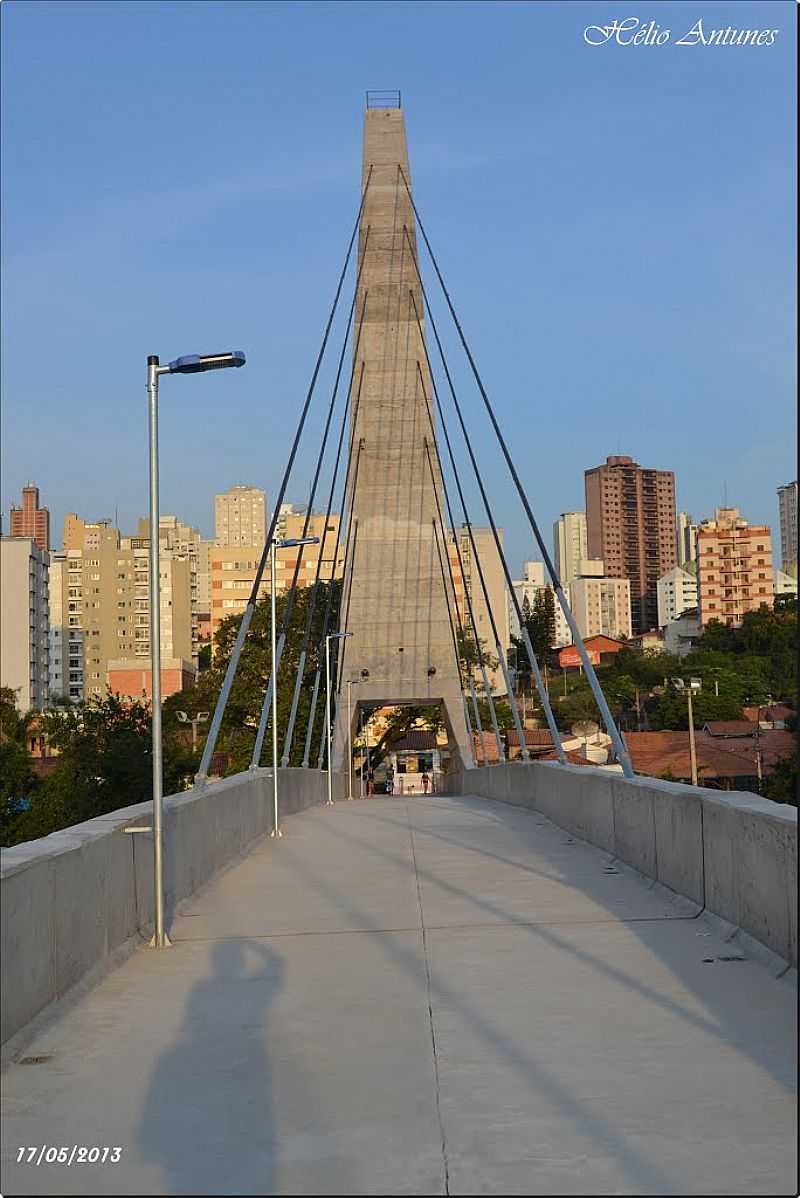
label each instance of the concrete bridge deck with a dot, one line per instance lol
(420, 996)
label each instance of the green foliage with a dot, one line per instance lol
(401, 721)
(763, 650)
(670, 710)
(469, 657)
(503, 713)
(243, 710)
(104, 762)
(539, 620)
(782, 784)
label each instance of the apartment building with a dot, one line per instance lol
(240, 518)
(185, 540)
(528, 587)
(735, 573)
(677, 593)
(686, 539)
(601, 606)
(30, 520)
(469, 582)
(787, 511)
(105, 607)
(233, 570)
(569, 545)
(630, 525)
(24, 621)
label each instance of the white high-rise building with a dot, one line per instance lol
(686, 539)
(569, 544)
(601, 606)
(785, 584)
(528, 587)
(240, 518)
(677, 593)
(24, 621)
(787, 508)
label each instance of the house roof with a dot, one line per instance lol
(659, 753)
(533, 737)
(730, 728)
(572, 756)
(778, 711)
(415, 740)
(492, 755)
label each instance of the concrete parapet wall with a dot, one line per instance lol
(733, 853)
(73, 899)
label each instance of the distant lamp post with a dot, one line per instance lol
(192, 364)
(291, 543)
(200, 718)
(695, 685)
(333, 636)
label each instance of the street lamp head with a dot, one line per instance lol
(202, 716)
(199, 363)
(182, 716)
(292, 542)
(335, 636)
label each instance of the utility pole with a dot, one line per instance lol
(692, 749)
(758, 748)
(695, 684)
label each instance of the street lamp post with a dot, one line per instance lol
(695, 684)
(333, 636)
(191, 364)
(200, 718)
(291, 543)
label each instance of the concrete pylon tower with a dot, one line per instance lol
(394, 599)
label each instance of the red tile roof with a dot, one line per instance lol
(533, 736)
(572, 755)
(492, 754)
(660, 753)
(778, 711)
(729, 728)
(416, 739)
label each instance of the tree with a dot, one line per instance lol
(670, 710)
(400, 722)
(104, 762)
(782, 784)
(18, 782)
(243, 709)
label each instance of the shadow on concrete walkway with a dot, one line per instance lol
(208, 1109)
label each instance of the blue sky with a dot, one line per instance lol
(616, 224)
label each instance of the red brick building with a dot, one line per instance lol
(598, 647)
(133, 679)
(630, 525)
(30, 520)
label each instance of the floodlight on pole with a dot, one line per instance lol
(200, 718)
(193, 364)
(332, 636)
(291, 543)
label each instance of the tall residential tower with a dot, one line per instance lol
(630, 525)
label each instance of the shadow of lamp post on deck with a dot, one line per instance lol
(190, 364)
